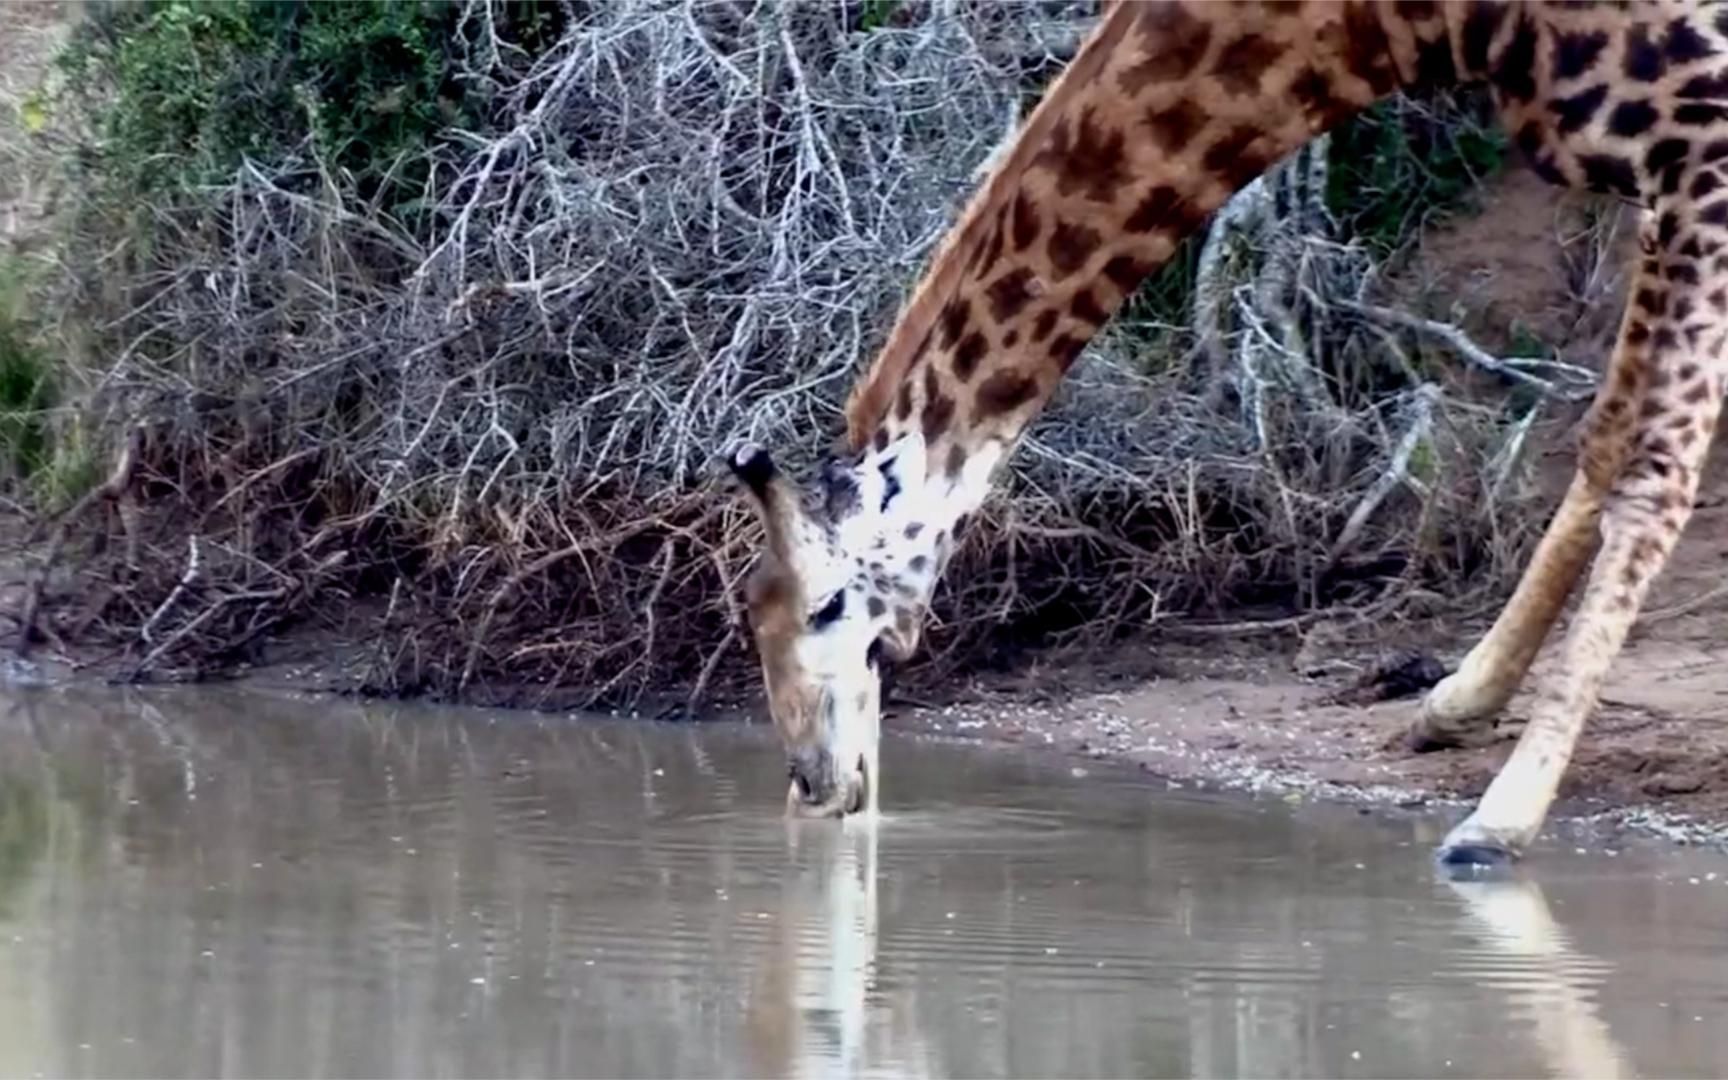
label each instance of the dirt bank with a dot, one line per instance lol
(1655, 757)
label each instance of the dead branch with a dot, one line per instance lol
(1397, 472)
(678, 227)
(1572, 383)
(109, 490)
(188, 579)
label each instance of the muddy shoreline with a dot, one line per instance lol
(1654, 759)
(1228, 725)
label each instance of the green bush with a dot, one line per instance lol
(26, 388)
(177, 92)
(1404, 164)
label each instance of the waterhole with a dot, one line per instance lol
(215, 883)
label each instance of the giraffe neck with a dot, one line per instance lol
(1166, 111)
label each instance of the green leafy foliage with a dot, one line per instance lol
(26, 386)
(25, 392)
(178, 92)
(1404, 164)
(876, 13)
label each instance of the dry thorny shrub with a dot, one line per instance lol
(691, 223)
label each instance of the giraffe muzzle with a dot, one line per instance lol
(819, 791)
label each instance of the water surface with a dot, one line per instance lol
(211, 883)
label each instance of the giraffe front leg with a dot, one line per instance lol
(1643, 519)
(1460, 709)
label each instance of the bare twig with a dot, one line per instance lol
(1572, 383)
(1397, 472)
(111, 489)
(188, 579)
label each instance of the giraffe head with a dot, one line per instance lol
(840, 589)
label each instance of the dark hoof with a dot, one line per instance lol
(1419, 740)
(1475, 858)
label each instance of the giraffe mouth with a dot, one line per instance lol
(844, 796)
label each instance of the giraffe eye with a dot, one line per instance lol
(829, 611)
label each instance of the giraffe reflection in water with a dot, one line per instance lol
(1513, 918)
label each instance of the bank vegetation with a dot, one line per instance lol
(421, 326)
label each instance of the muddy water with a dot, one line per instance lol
(214, 884)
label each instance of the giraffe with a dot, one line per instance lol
(1164, 112)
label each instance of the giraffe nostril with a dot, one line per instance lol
(810, 768)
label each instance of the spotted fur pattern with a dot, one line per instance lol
(1165, 112)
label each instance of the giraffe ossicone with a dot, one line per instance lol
(1166, 110)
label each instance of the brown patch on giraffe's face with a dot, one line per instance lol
(1087, 309)
(1066, 349)
(1071, 245)
(938, 415)
(1162, 209)
(1087, 158)
(827, 603)
(1125, 272)
(1010, 293)
(1239, 156)
(966, 356)
(953, 321)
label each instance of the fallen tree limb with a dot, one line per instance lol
(1513, 368)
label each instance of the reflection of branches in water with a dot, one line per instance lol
(357, 874)
(46, 813)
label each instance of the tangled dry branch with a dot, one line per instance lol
(490, 440)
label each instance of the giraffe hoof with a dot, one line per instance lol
(1431, 733)
(1471, 850)
(1423, 739)
(1475, 857)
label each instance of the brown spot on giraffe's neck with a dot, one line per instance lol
(1166, 111)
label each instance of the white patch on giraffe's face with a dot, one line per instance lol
(842, 585)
